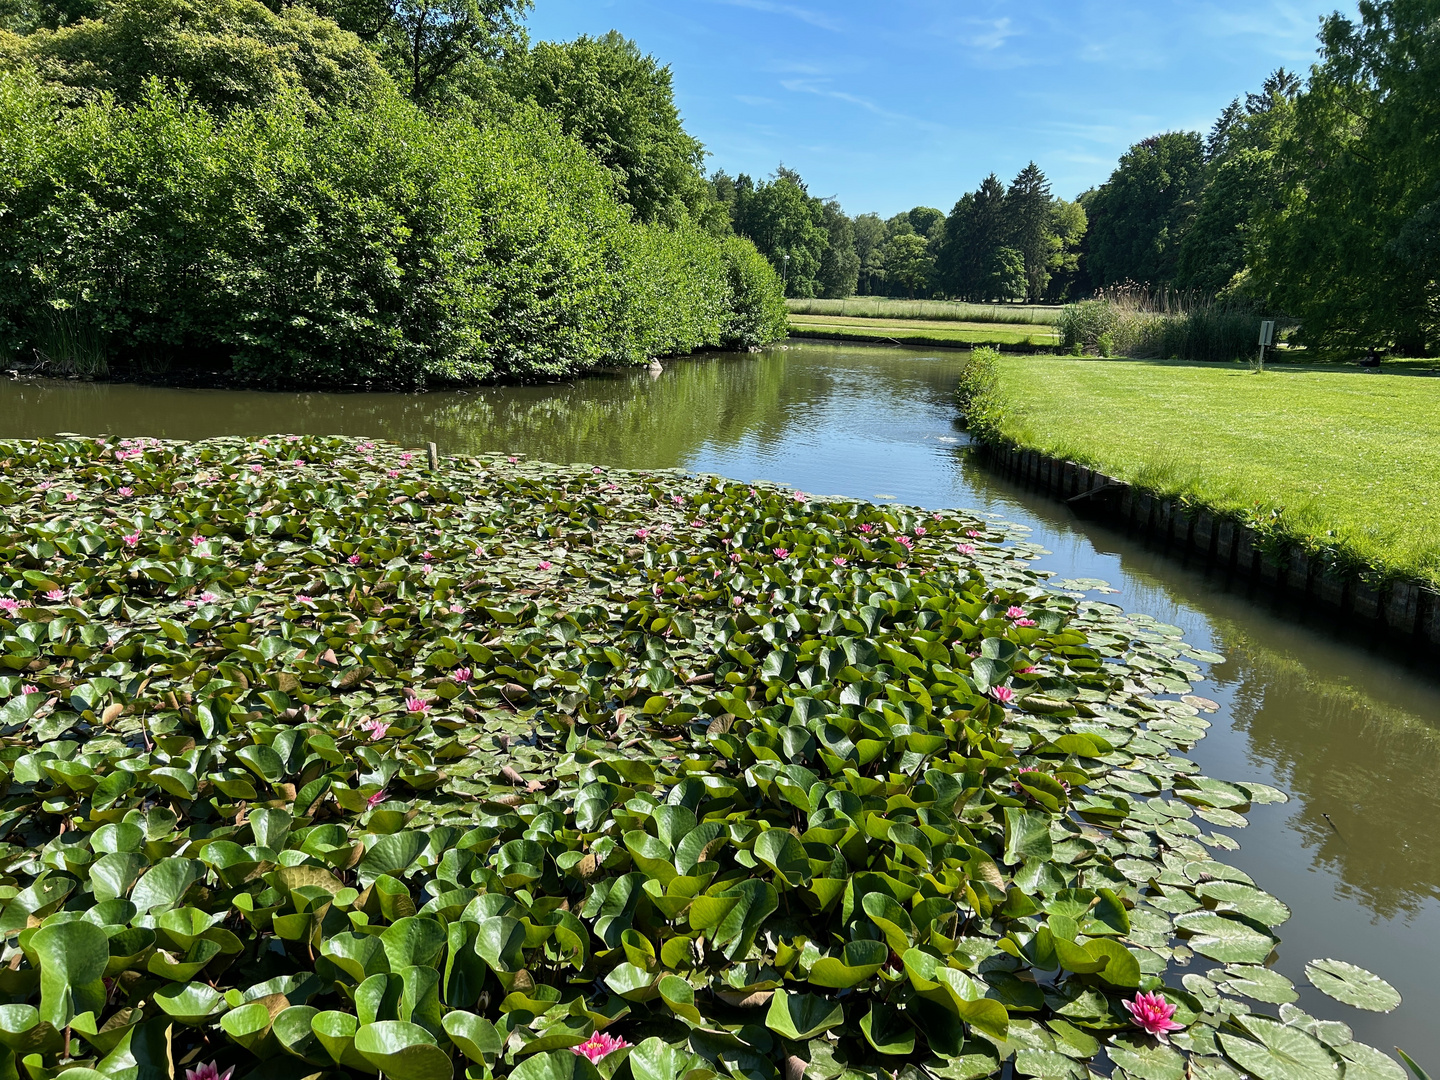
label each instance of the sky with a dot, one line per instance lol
(889, 104)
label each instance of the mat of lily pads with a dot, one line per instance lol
(319, 762)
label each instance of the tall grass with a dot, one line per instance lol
(880, 307)
(66, 343)
(1136, 321)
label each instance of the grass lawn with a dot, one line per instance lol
(919, 332)
(1350, 457)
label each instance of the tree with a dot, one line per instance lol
(1068, 224)
(1028, 221)
(620, 103)
(226, 54)
(1241, 183)
(908, 263)
(27, 16)
(1007, 279)
(869, 233)
(426, 43)
(924, 218)
(782, 219)
(974, 231)
(1352, 244)
(840, 265)
(1140, 214)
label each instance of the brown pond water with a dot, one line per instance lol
(1348, 730)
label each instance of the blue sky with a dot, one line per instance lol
(899, 103)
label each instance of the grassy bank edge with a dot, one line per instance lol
(994, 419)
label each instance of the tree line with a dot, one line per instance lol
(1000, 242)
(401, 192)
(1315, 198)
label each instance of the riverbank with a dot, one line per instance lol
(506, 717)
(1324, 475)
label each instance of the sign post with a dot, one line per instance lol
(1267, 339)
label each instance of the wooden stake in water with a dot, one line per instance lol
(434, 456)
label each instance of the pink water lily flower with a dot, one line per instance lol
(70, 496)
(598, 1046)
(354, 560)
(9, 606)
(416, 705)
(208, 598)
(126, 492)
(965, 549)
(545, 565)
(867, 528)
(55, 595)
(1015, 613)
(257, 469)
(1152, 1013)
(132, 539)
(27, 689)
(782, 553)
(372, 802)
(919, 530)
(642, 534)
(461, 675)
(405, 458)
(392, 473)
(1003, 694)
(971, 533)
(196, 540)
(905, 542)
(839, 560)
(1024, 622)
(457, 609)
(376, 728)
(209, 1071)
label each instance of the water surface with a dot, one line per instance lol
(1351, 733)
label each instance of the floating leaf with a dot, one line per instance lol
(1352, 985)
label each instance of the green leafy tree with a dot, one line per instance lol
(620, 103)
(1352, 246)
(429, 44)
(1242, 182)
(783, 219)
(26, 16)
(1068, 225)
(869, 232)
(1007, 279)
(1139, 216)
(909, 264)
(225, 54)
(923, 219)
(840, 265)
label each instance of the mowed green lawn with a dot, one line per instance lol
(925, 331)
(1350, 457)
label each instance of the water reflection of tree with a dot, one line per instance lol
(1372, 765)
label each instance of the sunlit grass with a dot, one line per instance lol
(916, 332)
(882, 307)
(1350, 458)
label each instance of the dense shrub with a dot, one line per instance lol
(757, 310)
(377, 245)
(978, 394)
(1125, 324)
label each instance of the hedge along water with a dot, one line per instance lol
(371, 768)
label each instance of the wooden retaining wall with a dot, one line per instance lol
(1405, 611)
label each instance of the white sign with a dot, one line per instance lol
(1267, 332)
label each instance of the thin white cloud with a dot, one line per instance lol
(751, 99)
(989, 33)
(810, 16)
(818, 88)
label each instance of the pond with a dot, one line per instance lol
(1351, 734)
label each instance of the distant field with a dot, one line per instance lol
(920, 332)
(880, 307)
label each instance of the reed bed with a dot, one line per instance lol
(1146, 324)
